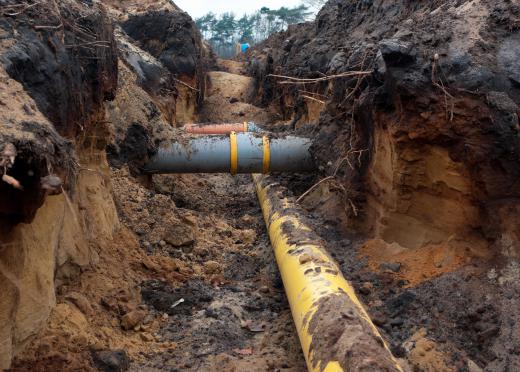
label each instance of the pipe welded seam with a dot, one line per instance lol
(267, 155)
(234, 153)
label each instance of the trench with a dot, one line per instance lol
(231, 320)
(186, 280)
(191, 282)
(177, 272)
(238, 318)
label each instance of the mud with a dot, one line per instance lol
(446, 320)
(337, 333)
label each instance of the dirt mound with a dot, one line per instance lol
(427, 140)
(58, 68)
(184, 276)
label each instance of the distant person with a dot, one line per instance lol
(245, 47)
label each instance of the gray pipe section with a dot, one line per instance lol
(212, 154)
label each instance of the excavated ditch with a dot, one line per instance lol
(236, 315)
(111, 270)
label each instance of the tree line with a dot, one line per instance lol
(224, 31)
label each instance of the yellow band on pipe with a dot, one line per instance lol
(234, 152)
(310, 276)
(246, 127)
(267, 155)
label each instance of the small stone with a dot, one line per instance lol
(180, 235)
(247, 219)
(52, 184)
(397, 322)
(473, 367)
(366, 288)
(379, 319)
(396, 52)
(132, 319)
(151, 265)
(264, 289)
(8, 155)
(488, 333)
(80, 301)
(147, 320)
(109, 303)
(200, 251)
(111, 360)
(162, 243)
(398, 350)
(391, 266)
(211, 313)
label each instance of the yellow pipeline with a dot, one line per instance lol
(310, 277)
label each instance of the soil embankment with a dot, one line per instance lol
(414, 110)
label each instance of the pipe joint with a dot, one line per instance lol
(235, 153)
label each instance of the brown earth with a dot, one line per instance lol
(111, 270)
(196, 237)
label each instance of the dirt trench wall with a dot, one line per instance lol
(57, 68)
(163, 65)
(170, 35)
(66, 101)
(430, 139)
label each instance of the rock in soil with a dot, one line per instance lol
(111, 360)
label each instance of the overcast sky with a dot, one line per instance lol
(197, 8)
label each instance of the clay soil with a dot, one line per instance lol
(189, 282)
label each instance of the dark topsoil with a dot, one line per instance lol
(408, 46)
(66, 60)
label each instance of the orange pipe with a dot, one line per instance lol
(216, 128)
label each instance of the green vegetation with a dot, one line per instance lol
(225, 31)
